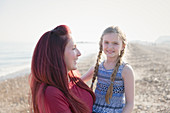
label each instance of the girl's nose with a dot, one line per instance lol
(110, 46)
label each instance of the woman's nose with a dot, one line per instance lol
(78, 53)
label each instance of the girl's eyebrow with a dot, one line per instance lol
(111, 42)
(115, 41)
(105, 40)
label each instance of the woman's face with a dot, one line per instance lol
(71, 55)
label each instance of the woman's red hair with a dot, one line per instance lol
(48, 69)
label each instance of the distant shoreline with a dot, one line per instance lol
(19, 73)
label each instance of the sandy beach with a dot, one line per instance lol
(150, 62)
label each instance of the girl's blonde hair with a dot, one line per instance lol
(111, 29)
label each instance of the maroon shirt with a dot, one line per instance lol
(57, 102)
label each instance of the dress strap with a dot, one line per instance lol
(121, 67)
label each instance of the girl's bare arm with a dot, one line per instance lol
(129, 84)
(88, 75)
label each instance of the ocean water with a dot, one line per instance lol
(15, 58)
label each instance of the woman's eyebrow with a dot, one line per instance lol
(74, 45)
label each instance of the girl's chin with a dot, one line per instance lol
(110, 55)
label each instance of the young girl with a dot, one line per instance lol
(115, 78)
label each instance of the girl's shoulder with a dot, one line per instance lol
(127, 71)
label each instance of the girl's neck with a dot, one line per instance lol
(110, 63)
(111, 60)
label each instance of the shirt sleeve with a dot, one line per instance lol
(56, 101)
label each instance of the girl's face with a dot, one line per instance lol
(112, 45)
(71, 55)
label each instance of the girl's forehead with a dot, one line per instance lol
(111, 37)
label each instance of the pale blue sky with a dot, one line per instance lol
(27, 20)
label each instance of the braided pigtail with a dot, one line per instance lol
(97, 63)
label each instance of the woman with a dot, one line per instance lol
(55, 88)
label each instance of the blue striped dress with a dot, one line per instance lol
(117, 102)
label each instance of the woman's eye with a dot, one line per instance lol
(74, 47)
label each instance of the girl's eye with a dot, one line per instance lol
(106, 42)
(116, 43)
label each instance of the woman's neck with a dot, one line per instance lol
(68, 77)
